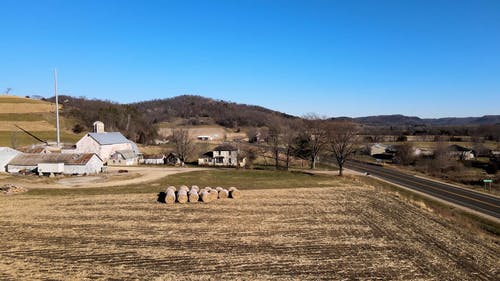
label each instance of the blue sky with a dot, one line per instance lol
(336, 58)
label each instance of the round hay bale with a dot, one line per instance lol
(234, 193)
(182, 196)
(223, 193)
(170, 196)
(214, 194)
(171, 188)
(205, 196)
(193, 196)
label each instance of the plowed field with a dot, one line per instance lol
(342, 232)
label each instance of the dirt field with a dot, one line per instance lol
(341, 232)
(135, 175)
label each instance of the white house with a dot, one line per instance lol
(123, 157)
(222, 155)
(104, 144)
(80, 164)
(6, 154)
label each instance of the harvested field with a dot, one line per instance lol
(349, 232)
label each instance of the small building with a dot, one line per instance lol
(378, 148)
(423, 152)
(125, 157)
(458, 152)
(173, 159)
(204, 138)
(153, 159)
(77, 164)
(224, 155)
(104, 144)
(6, 155)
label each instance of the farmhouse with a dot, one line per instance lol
(223, 155)
(6, 154)
(123, 157)
(104, 144)
(64, 163)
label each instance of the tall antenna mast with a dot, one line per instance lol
(57, 108)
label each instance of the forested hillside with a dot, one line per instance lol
(227, 114)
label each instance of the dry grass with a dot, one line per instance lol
(31, 126)
(290, 234)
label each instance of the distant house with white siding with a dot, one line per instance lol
(224, 155)
(64, 163)
(104, 144)
(6, 155)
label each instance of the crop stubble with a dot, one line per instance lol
(311, 233)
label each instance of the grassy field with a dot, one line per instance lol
(243, 179)
(23, 139)
(330, 229)
(35, 116)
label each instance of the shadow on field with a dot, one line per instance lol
(161, 197)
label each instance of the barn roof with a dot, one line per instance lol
(31, 159)
(109, 138)
(127, 153)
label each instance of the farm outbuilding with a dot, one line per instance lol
(156, 159)
(173, 159)
(80, 164)
(123, 157)
(6, 154)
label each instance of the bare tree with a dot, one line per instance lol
(289, 139)
(182, 142)
(315, 137)
(404, 153)
(342, 141)
(274, 140)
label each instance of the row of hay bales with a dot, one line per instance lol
(195, 194)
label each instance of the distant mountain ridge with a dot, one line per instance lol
(402, 120)
(231, 114)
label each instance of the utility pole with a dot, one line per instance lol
(57, 109)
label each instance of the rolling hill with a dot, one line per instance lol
(32, 115)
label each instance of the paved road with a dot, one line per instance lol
(479, 202)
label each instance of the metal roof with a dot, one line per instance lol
(30, 159)
(109, 138)
(127, 154)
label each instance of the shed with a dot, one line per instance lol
(6, 155)
(123, 157)
(155, 159)
(85, 163)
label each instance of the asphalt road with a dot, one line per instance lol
(476, 201)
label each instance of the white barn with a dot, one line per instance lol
(104, 144)
(6, 154)
(79, 164)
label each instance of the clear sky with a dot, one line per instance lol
(336, 58)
